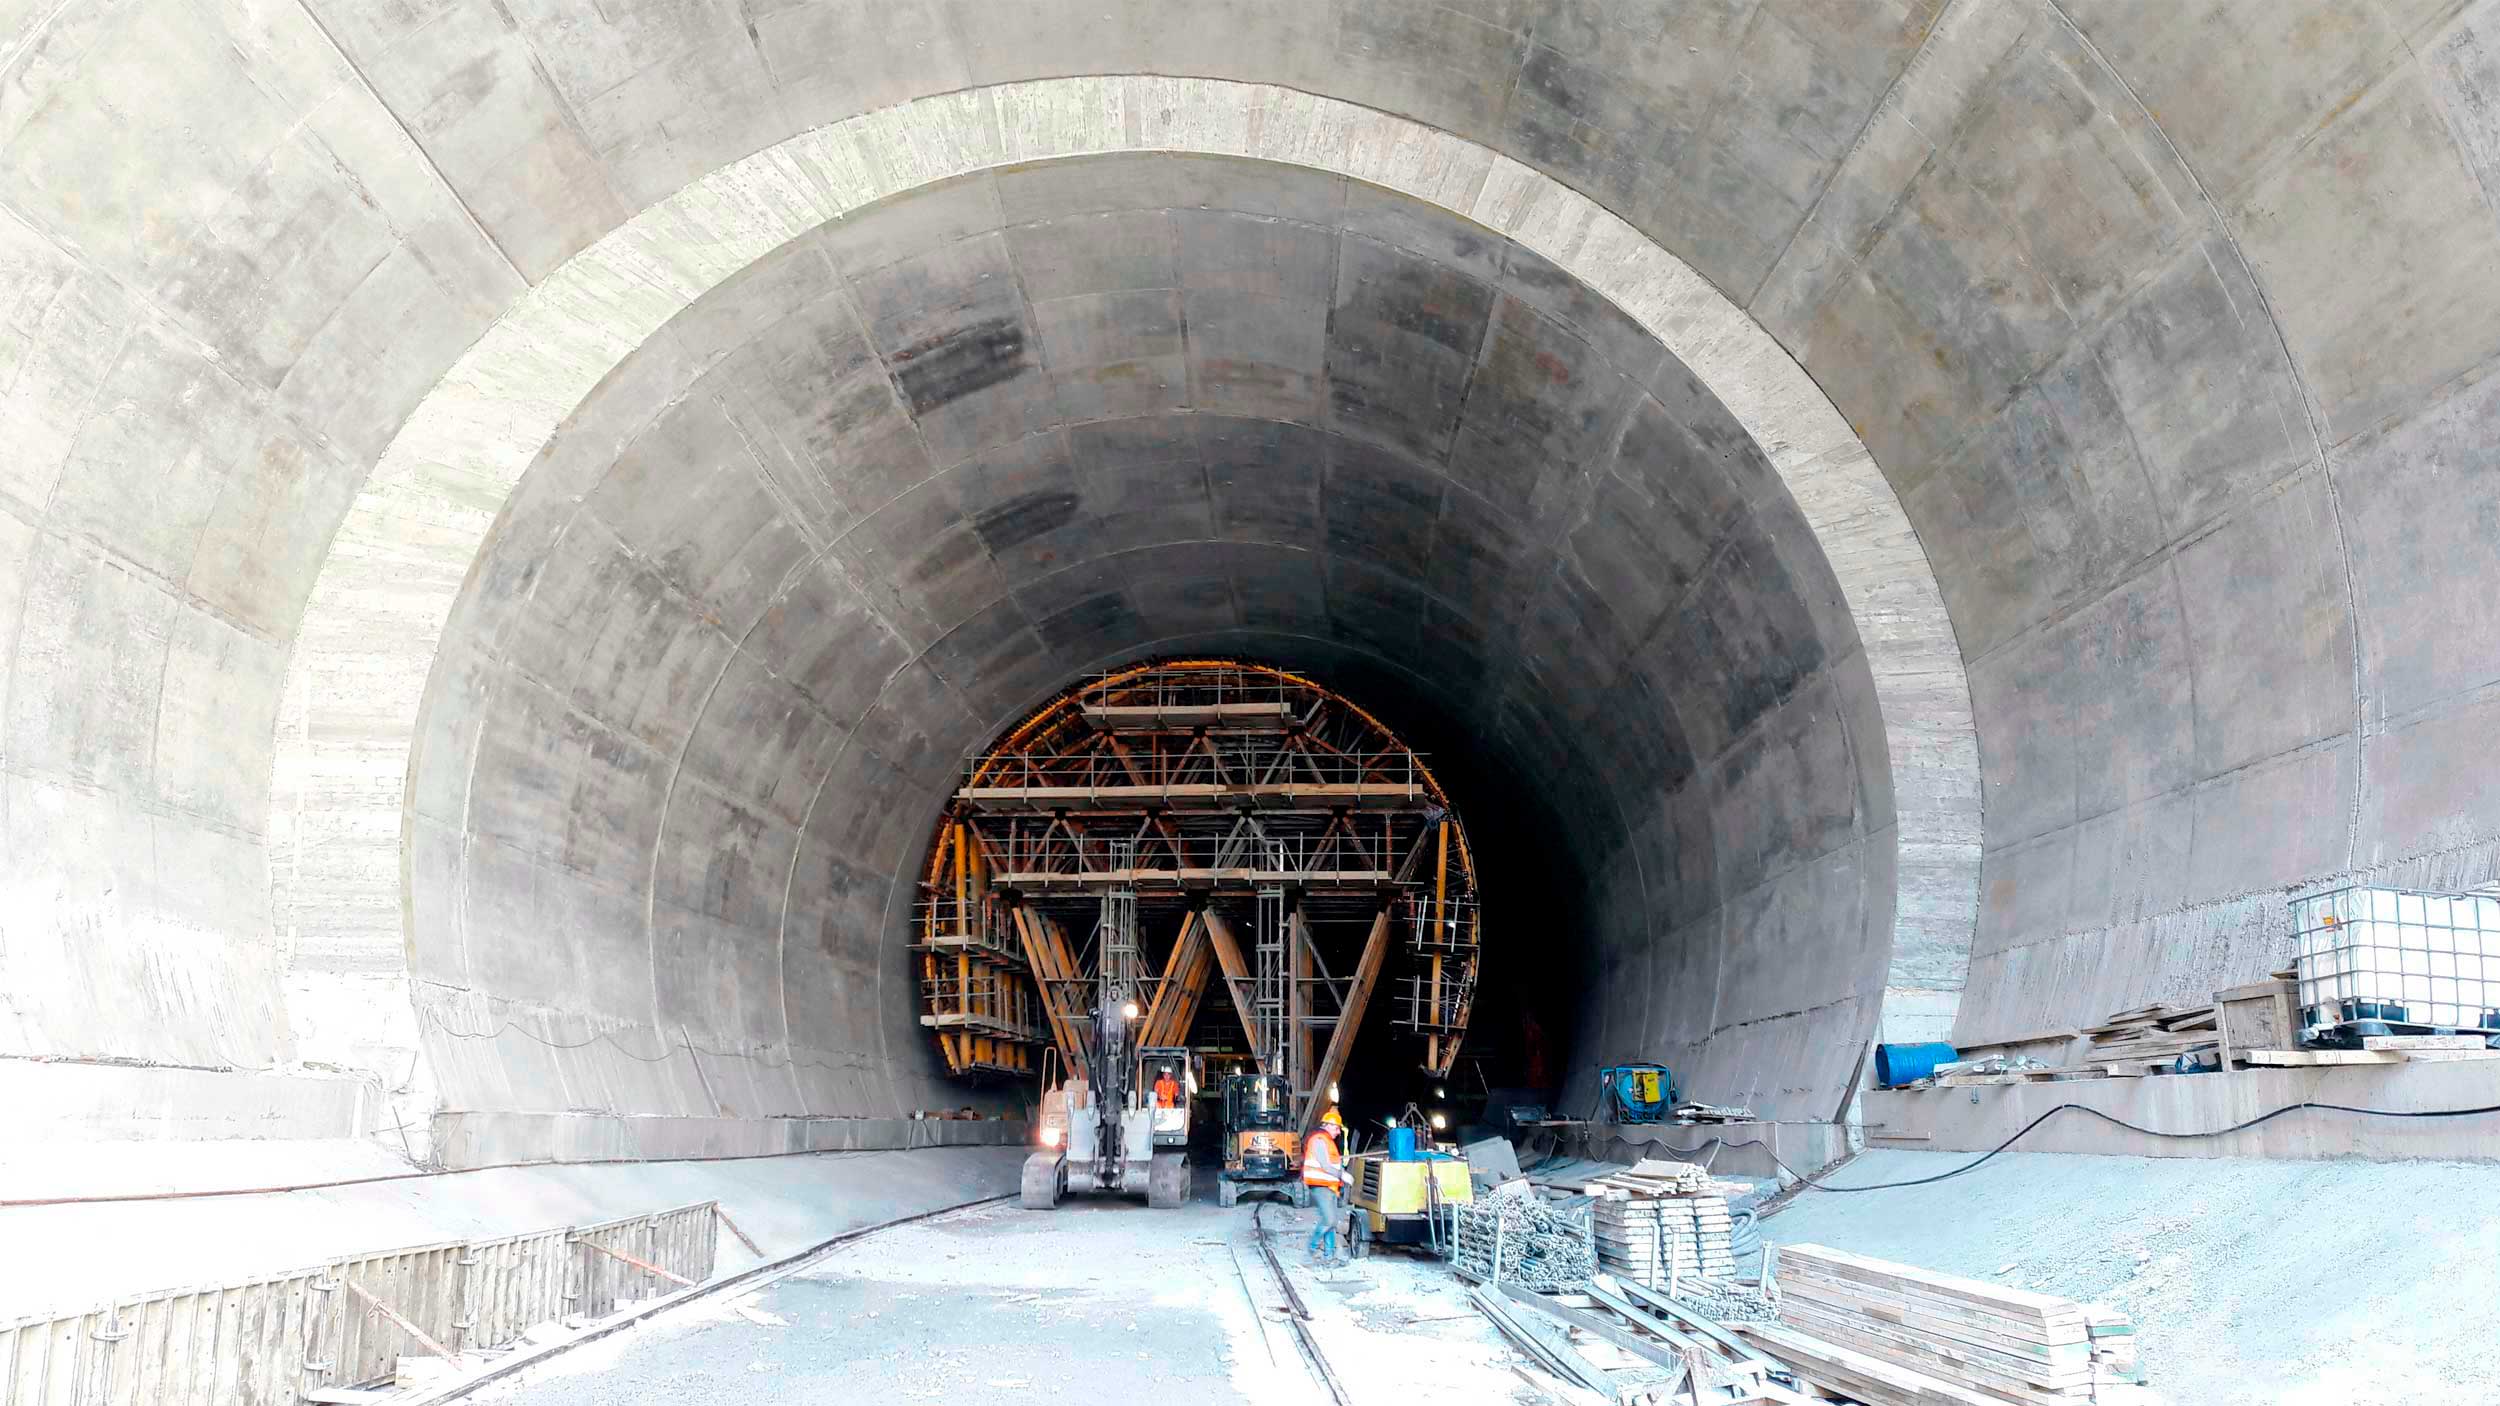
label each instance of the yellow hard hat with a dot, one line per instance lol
(1330, 1117)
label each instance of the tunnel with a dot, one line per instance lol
(1121, 407)
(1921, 520)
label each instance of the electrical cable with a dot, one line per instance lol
(1714, 1144)
(2026, 1128)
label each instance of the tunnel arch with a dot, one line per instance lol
(468, 443)
(1314, 519)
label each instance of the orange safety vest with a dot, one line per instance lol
(1167, 1092)
(1320, 1166)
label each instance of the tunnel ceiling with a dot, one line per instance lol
(1020, 424)
(900, 480)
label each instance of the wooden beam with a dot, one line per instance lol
(1236, 974)
(732, 1227)
(1186, 987)
(402, 1324)
(1357, 996)
(1171, 990)
(1440, 916)
(1039, 953)
(645, 1266)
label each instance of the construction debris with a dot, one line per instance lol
(1630, 1352)
(2246, 1027)
(1711, 1113)
(1724, 1302)
(2156, 1034)
(1664, 1321)
(1895, 1335)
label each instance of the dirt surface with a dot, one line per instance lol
(2317, 1283)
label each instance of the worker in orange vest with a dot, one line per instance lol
(1167, 1090)
(1323, 1171)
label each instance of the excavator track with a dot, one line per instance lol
(1045, 1178)
(1167, 1180)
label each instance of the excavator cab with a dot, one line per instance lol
(1165, 1085)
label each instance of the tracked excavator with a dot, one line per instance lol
(1105, 1131)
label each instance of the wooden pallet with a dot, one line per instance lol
(1950, 1335)
(2307, 1059)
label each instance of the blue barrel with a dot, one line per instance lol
(1405, 1145)
(1896, 1065)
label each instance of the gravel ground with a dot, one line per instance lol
(2318, 1283)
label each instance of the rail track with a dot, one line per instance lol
(1297, 1312)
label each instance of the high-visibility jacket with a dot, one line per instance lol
(1320, 1164)
(1167, 1092)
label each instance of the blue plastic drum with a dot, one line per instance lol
(1896, 1065)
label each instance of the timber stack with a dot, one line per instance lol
(2153, 1035)
(1895, 1335)
(1662, 1222)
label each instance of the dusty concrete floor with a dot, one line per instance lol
(1001, 1305)
(2252, 1282)
(2282, 1283)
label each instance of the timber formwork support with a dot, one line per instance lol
(1259, 830)
(975, 989)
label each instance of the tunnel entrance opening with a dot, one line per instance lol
(1235, 857)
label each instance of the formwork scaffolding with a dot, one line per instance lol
(1253, 829)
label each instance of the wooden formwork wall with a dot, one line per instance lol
(667, 1240)
(264, 1342)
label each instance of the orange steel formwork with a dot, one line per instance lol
(1281, 844)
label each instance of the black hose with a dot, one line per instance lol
(2026, 1128)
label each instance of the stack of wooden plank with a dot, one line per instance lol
(2114, 1362)
(1658, 1222)
(1653, 1177)
(2154, 1034)
(1900, 1334)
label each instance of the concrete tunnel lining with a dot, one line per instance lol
(1307, 520)
(1806, 441)
(2179, 376)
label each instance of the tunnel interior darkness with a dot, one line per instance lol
(856, 510)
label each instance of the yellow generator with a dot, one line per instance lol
(1405, 1197)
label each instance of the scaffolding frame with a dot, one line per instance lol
(1208, 801)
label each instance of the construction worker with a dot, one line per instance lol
(1167, 1090)
(1323, 1171)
